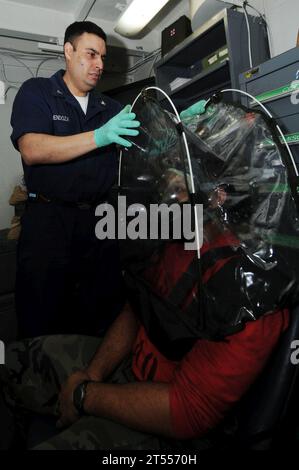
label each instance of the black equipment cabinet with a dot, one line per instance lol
(276, 84)
(212, 58)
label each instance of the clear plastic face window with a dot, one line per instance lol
(243, 184)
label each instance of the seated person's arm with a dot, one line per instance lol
(116, 345)
(140, 405)
(209, 380)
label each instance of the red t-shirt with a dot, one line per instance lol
(213, 375)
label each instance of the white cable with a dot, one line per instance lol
(24, 57)
(152, 56)
(9, 88)
(153, 64)
(27, 54)
(249, 34)
(146, 58)
(187, 153)
(263, 18)
(119, 167)
(270, 115)
(42, 62)
(22, 63)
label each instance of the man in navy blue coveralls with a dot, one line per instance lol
(67, 279)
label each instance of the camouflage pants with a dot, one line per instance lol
(31, 380)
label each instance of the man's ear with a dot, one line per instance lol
(68, 50)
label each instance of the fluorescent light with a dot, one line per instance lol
(138, 14)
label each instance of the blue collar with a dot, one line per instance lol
(96, 102)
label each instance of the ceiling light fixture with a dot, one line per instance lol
(50, 47)
(137, 15)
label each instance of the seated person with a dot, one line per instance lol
(123, 392)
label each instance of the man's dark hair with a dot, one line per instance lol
(74, 30)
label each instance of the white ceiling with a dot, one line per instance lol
(106, 9)
(59, 5)
(109, 10)
(50, 17)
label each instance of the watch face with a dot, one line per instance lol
(78, 396)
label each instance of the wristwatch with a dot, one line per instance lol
(79, 395)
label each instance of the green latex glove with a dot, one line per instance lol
(196, 108)
(121, 124)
